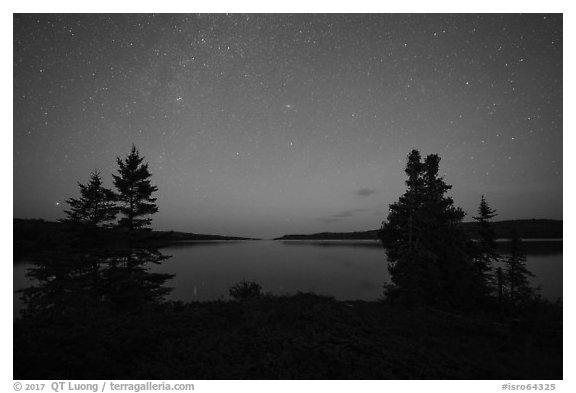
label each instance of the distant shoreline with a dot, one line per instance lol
(32, 236)
(33, 233)
(38, 223)
(526, 229)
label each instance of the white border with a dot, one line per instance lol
(357, 6)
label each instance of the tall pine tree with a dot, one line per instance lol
(427, 249)
(400, 234)
(95, 206)
(135, 191)
(486, 253)
(516, 274)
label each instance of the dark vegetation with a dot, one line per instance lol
(298, 337)
(96, 311)
(134, 192)
(361, 235)
(430, 257)
(526, 229)
(433, 261)
(32, 237)
(246, 290)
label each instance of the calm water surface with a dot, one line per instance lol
(344, 270)
(347, 270)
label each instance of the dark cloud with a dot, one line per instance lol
(366, 191)
(342, 215)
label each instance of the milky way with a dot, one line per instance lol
(261, 125)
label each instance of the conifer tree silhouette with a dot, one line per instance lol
(486, 248)
(428, 251)
(135, 192)
(516, 274)
(95, 206)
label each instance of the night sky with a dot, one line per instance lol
(262, 125)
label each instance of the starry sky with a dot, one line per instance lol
(266, 124)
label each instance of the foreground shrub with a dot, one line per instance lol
(245, 290)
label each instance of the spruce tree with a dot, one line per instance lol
(486, 253)
(135, 191)
(400, 234)
(455, 282)
(95, 206)
(427, 249)
(516, 274)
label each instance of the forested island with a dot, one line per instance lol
(526, 229)
(36, 235)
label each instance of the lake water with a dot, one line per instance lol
(347, 270)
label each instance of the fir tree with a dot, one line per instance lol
(402, 237)
(135, 191)
(439, 208)
(95, 206)
(486, 248)
(455, 283)
(427, 249)
(516, 274)
(399, 233)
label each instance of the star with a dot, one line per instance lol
(276, 101)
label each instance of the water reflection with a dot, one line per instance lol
(346, 270)
(202, 271)
(334, 243)
(80, 281)
(535, 247)
(201, 243)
